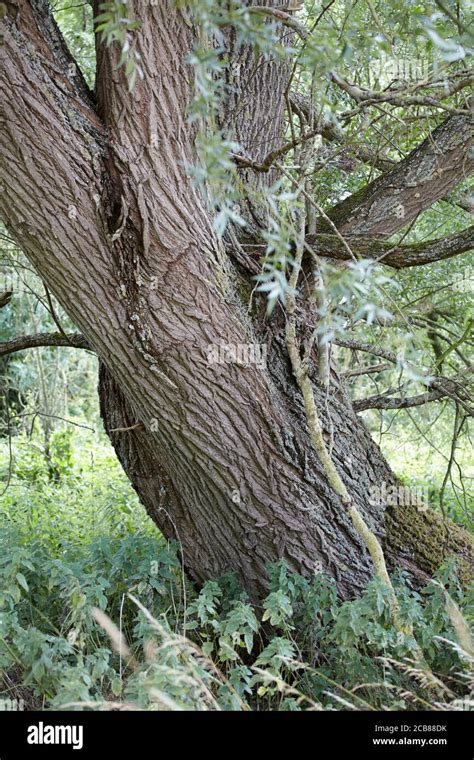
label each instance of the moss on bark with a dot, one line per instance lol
(426, 540)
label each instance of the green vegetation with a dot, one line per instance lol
(80, 542)
(95, 608)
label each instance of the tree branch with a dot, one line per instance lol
(425, 176)
(390, 402)
(391, 254)
(333, 133)
(283, 17)
(396, 198)
(269, 161)
(367, 370)
(402, 96)
(73, 340)
(369, 348)
(440, 388)
(5, 298)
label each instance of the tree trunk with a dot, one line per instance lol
(219, 453)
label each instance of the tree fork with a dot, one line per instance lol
(150, 301)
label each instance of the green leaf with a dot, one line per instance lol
(22, 581)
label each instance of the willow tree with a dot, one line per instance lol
(149, 206)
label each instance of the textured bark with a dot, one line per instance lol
(219, 454)
(428, 174)
(252, 112)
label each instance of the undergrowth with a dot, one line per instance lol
(95, 613)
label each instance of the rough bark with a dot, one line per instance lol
(252, 112)
(428, 174)
(219, 454)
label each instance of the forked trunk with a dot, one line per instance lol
(218, 452)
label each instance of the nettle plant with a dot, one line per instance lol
(107, 624)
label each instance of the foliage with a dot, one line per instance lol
(76, 21)
(83, 543)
